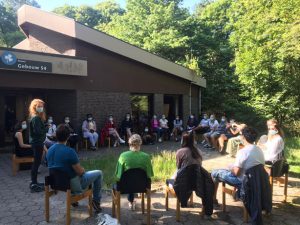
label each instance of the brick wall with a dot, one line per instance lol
(101, 105)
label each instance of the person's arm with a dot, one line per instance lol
(78, 169)
(236, 171)
(178, 160)
(119, 169)
(37, 125)
(84, 126)
(20, 140)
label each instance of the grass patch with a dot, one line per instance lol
(292, 151)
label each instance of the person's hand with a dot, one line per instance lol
(92, 131)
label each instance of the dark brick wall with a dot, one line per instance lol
(101, 105)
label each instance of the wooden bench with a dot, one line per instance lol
(16, 161)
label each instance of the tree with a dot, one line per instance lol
(108, 9)
(266, 41)
(154, 25)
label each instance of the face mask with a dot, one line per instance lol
(40, 109)
(223, 120)
(90, 119)
(177, 118)
(192, 117)
(146, 130)
(154, 117)
(67, 121)
(111, 119)
(50, 121)
(273, 132)
(205, 117)
(164, 117)
(24, 126)
(127, 117)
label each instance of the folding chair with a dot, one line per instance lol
(60, 181)
(132, 181)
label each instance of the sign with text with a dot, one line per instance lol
(10, 61)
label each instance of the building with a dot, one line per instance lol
(79, 70)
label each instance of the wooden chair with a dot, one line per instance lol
(16, 161)
(169, 191)
(86, 143)
(279, 174)
(132, 181)
(60, 181)
(230, 191)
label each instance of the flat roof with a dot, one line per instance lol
(71, 28)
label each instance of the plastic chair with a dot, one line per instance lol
(132, 181)
(60, 181)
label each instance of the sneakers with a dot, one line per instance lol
(36, 188)
(93, 148)
(131, 205)
(115, 144)
(121, 141)
(96, 206)
(203, 142)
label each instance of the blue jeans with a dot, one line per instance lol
(223, 175)
(157, 130)
(93, 177)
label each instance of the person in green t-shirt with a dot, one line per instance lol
(134, 159)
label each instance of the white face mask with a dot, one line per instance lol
(163, 117)
(24, 126)
(111, 119)
(127, 117)
(90, 119)
(273, 132)
(154, 117)
(40, 109)
(223, 119)
(192, 117)
(67, 121)
(177, 118)
(212, 119)
(205, 117)
(146, 130)
(50, 121)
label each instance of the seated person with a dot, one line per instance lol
(147, 137)
(178, 128)
(50, 135)
(233, 143)
(134, 159)
(163, 124)
(73, 139)
(89, 130)
(213, 125)
(126, 126)
(203, 126)
(111, 129)
(230, 131)
(21, 149)
(221, 129)
(250, 155)
(273, 148)
(155, 126)
(192, 122)
(64, 158)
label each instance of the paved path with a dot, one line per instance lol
(19, 206)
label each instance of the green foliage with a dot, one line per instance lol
(292, 152)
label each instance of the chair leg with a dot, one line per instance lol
(245, 215)
(223, 197)
(109, 142)
(192, 200)
(286, 177)
(166, 198)
(47, 203)
(68, 208)
(15, 168)
(118, 200)
(177, 210)
(271, 183)
(113, 204)
(148, 206)
(143, 203)
(90, 205)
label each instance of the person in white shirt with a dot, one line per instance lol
(203, 126)
(51, 133)
(249, 156)
(273, 148)
(89, 130)
(163, 124)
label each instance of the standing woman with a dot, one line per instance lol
(37, 132)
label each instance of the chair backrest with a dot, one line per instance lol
(58, 180)
(134, 181)
(276, 169)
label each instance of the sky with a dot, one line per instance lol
(49, 5)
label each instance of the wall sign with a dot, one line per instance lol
(10, 61)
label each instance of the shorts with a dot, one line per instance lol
(215, 135)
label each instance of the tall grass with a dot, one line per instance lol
(292, 151)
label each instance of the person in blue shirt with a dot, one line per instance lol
(60, 156)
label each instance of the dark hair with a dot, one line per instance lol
(89, 115)
(62, 133)
(188, 142)
(250, 134)
(18, 126)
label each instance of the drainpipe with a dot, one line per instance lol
(190, 98)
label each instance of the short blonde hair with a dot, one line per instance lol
(135, 141)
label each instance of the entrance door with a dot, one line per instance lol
(172, 107)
